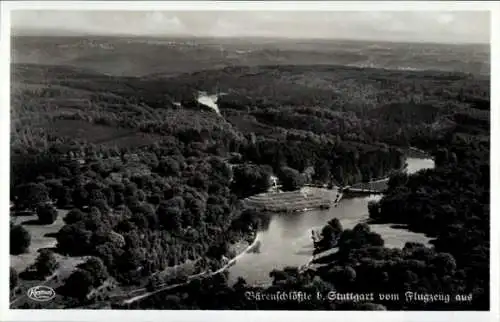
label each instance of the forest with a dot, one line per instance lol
(458, 262)
(150, 185)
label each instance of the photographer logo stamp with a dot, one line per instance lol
(41, 293)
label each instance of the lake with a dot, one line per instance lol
(287, 240)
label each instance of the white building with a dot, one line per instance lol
(274, 183)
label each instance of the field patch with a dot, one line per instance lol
(41, 237)
(101, 134)
(248, 124)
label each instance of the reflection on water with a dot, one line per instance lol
(287, 241)
(210, 100)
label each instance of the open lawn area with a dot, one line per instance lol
(42, 236)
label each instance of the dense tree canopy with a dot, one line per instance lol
(251, 179)
(45, 263)
(47, 214)
(78, 284)
(20, 240)
(426, 202)
(290, 179)
(13, 279)
(151, 185)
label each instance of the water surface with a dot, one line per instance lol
(209, 100)
(287, 240)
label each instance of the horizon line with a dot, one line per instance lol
(27, 32)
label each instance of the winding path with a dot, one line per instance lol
(190, 278)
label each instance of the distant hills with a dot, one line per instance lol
(139, 56)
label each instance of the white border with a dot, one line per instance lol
(494, 169)
(97, 315)
(253, 5)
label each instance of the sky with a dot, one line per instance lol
(412, 26)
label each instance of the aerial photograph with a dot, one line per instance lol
(250, 160)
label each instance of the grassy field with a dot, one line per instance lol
(100, 134)
(249, 124)
(41, 237)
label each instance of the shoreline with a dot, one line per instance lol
(205, 274)
(231, 262)
(311, 262)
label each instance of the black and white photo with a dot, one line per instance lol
(249, 160)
